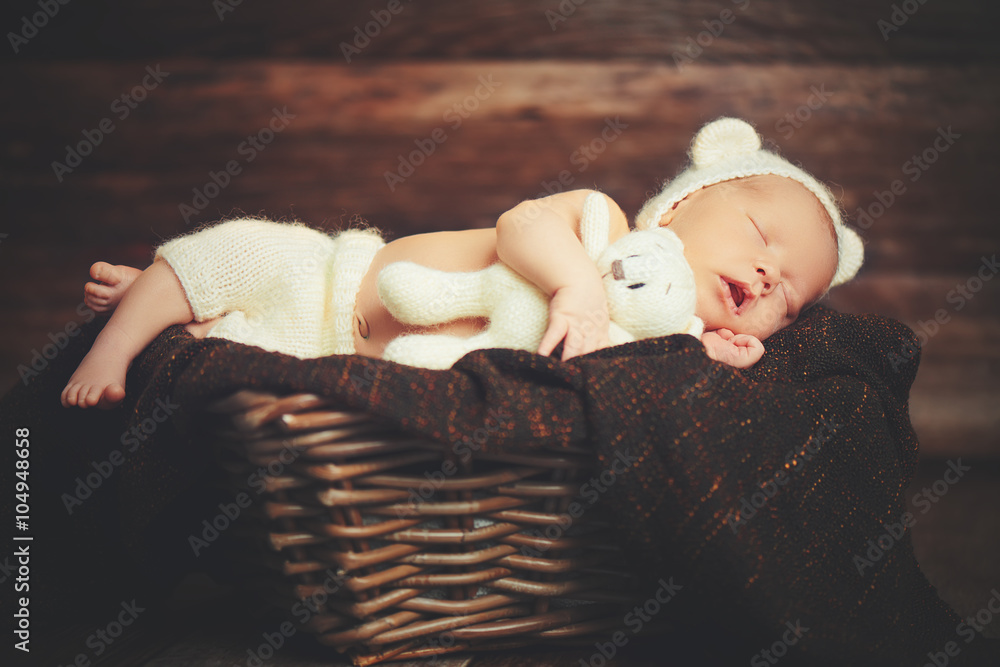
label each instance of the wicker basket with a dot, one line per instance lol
(393, 547)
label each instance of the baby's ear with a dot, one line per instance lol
(679, 206)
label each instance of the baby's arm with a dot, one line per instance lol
(739, 350)
(540, 239)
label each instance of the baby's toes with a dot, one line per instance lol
(97, 295)
(112, 396)
(71, 394)
(106, 273)
(90, 396)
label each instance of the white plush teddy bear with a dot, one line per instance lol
(649, 285)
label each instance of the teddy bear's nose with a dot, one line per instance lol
(617, 270)
(618, 267)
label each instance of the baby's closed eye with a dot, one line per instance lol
(757, 227)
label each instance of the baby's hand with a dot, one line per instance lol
(739, 350)
(579, 317)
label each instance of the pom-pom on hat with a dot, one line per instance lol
(730, 148)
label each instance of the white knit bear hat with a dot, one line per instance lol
(730, 148)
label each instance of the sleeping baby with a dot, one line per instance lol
(763, 238)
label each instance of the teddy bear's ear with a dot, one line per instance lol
(670, 236)
(723, 139)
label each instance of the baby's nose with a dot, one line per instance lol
(768, 277)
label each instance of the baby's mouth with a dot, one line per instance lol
(735, 295)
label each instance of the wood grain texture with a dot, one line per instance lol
(957, 535)
(958, 31)
(531, 124)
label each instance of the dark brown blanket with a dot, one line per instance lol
(773, 497)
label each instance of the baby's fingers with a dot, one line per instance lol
(747, 341)
(574, 345)
(584, 341)
(558, 328)
(750, 349)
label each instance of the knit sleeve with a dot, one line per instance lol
(243, 264)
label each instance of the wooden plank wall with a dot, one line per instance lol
(512, 96)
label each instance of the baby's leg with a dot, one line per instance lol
(114, 282)
(153, 302)
(115, 279)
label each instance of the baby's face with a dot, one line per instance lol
(761, 248)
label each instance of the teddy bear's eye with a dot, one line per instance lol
(636, 285)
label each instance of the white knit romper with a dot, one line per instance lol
(284, 287)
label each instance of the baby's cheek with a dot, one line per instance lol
(709, 308)
(772, 319)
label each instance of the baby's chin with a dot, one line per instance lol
(768, 331)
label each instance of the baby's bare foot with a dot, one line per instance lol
(100, 378)
(114, 282)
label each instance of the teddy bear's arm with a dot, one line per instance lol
(595, 225)
(423, 296)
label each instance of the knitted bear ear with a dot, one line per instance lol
(670, 236)
(723, 139)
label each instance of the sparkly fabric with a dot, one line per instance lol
(826, 408)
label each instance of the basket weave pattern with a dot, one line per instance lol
(402, 547)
